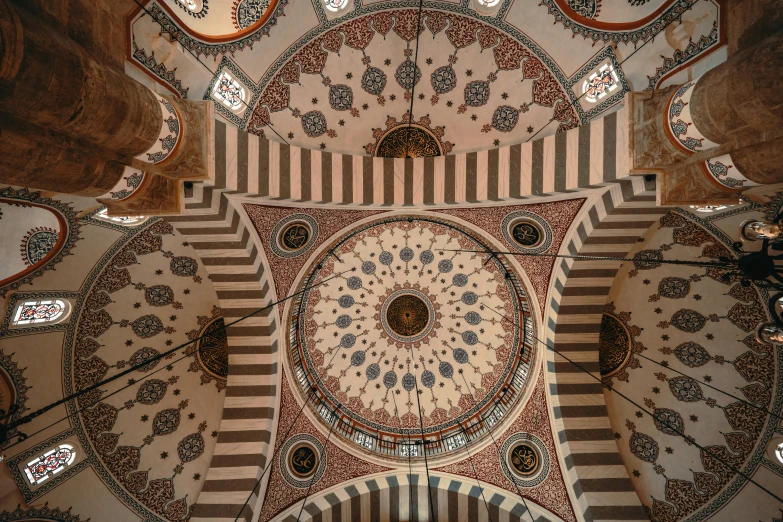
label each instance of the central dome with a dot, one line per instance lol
(412, 332)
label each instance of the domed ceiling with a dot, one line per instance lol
(408, 335)
(347, 82)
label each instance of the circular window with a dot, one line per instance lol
(527, 232)
(302, 460)
(293, 235)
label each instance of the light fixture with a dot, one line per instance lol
(769, 333)
(754, 230)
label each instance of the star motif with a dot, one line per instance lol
(473, 117)
(136, 305)
(449, 104)
(694, 418)
(341, 123)
(707, 378)
(387, 62)
(530, 129)
(656, 389)
(636, 473)
(646, 281)
(315, 101)
(191, 416)
(669, 451)
(164, 455)
(429, 61)
(197, 476)
(496, 142)
(697, 297)
(469, 73)
(290, 135)
(658, 311)
(504, 96)
(348, 76)
(392, 97)
(322, 146)
(365, 106)
(145, 418)
(158, 271)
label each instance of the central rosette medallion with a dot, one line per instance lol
(407, 315)
(409, 309)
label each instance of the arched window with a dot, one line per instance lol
(600, 83)
(122, 220)
(335, 5)
(779, 452)
(49, 464)
(229, 92)
(41, 311)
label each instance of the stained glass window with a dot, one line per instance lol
(228, 91)
(50, 463)
(40, 311)
(600, 83)
(122, 220)
(335, 5)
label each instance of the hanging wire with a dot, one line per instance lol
(410, 467)
(212, 74)
(668, 425)
(312, 480)
(313, 389)
(500, 453)
(475, 475)
(413, 88)
(421, 427)
(27, 418)
(712, 387)
(702, 264)
(636, 50)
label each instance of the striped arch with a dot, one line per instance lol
(248, 168)
(611, 226)
(238, 272)
(401, 496)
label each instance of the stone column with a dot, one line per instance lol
(724, 128)
(741, 97)
(49, 80)
(71, 123)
